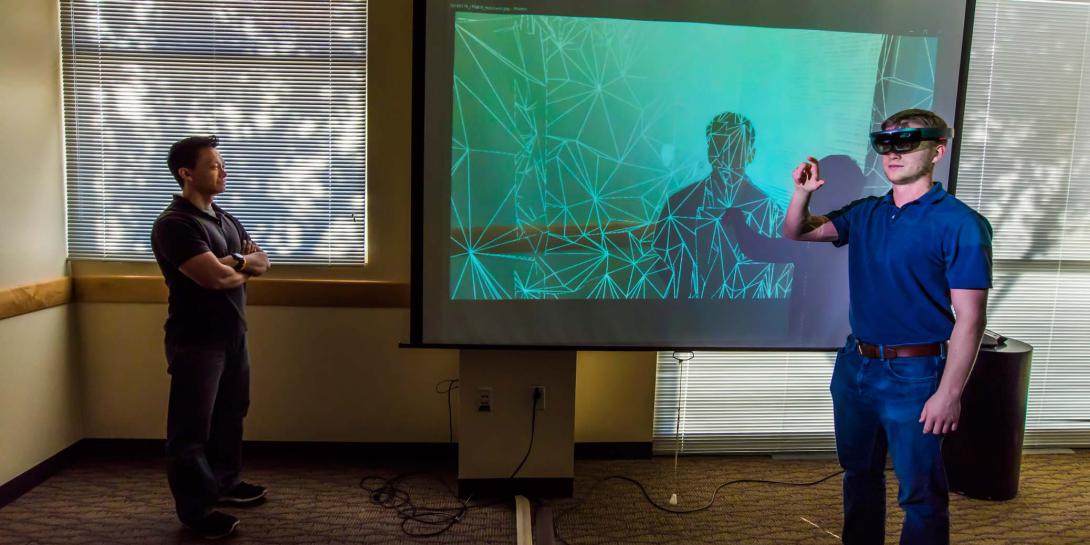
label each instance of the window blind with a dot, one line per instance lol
(282, 83)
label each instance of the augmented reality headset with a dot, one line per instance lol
(906, 140)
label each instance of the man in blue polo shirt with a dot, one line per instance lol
(919, 269)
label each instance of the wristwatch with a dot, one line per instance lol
(240, 261)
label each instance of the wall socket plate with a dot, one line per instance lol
(484, 399)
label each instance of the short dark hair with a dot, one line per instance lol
(733, 137)
(927, 118)
(184, 153)
(731, 122)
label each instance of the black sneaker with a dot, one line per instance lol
(244, 493)
(216, 525)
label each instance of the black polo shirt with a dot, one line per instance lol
(197, 315)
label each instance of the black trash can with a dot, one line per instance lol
(984, 456)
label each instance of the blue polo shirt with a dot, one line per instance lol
(903, 262)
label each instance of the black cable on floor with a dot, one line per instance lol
(390, 494)
(556, 520)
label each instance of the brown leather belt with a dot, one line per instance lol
(903, 351)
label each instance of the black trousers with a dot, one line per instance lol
(209, 397)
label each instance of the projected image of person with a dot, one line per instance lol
(820, 276)
(697, 253)
(919, 269)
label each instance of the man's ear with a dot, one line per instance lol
(940, 152)
(185, 173)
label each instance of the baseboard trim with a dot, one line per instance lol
(614, 451)
(345, 450)
(98, 447)
(29, 479)
(331, 449)
(547, 487)
(152, 448)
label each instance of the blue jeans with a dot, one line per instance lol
(876, 408)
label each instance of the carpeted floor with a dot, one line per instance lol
(126, 501)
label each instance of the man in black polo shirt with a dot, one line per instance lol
(206, 257)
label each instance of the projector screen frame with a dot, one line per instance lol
(418, 127)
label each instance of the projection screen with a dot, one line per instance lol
(603, 174)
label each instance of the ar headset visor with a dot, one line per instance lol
(906, 140)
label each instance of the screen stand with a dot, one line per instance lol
(495, 416)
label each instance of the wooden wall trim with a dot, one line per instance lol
(27, 298)
(119, 289)
(328, 293)
(260, 291)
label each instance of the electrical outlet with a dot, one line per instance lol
(541, 400)
(484, 399)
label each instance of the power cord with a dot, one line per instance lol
(533, 425)
(388, 494)
(562, 514)
(446, 387)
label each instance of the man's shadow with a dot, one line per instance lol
(692, 242)
(818, 308)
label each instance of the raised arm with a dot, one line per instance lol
(799, 224)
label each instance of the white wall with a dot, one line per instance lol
(39, 382)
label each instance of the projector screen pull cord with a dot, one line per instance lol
(682, 358)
